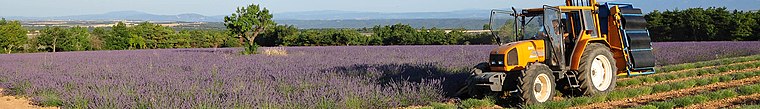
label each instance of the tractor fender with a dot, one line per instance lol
(580, 47)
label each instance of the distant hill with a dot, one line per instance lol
(351, 15)
(472, 24)
(650, 5)
(130, 15)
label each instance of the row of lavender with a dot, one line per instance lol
(344, 77)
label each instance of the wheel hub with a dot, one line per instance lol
(601, 72)
(542, 88)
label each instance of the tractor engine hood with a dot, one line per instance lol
(516, 55)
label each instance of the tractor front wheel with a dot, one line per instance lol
(537, 84)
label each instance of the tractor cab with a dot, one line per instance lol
(562, 28)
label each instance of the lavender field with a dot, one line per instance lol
(307, 77)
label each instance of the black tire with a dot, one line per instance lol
(585, 72)
(529, 86)
(470, 86)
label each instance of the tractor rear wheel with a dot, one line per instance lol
(537, 84)
(597, 70)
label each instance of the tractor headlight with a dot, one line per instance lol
(496, 59)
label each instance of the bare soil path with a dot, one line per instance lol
(635, 101)
(12, 102)
(727, 102)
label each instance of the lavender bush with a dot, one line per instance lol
(307, 77)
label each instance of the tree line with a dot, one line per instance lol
(118, 37)
(694, 24)
(398, 34)
(148, 35)
(700, 24)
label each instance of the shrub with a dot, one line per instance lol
(664, 105)
(670, 77)
(685, 101)
(739, 75)
(721, 94)
(661, 88)
(622, 83)
(660, 78)
(641, 91)
(634, 81)
(442, 106)
(646, 107)
(251, 49)
(599, 98)
(649, 80)
(714, 79)
(475, 103)
(682, 85)
(701, 82)
(616, 95)
(723, 69)
(725, 78)
(749, 89)
(48, 98)
(557, 104)
(703, 72)
(580, 101)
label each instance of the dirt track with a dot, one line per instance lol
(685, 70)
(11, 102)
(670, 94)
(723, 103)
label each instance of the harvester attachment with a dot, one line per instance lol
(636, 40)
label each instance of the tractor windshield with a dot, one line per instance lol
(503, 26)
(532, 29)
(509, 27)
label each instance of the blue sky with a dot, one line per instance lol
(40, 8)
(46, 8)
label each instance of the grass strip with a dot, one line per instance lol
(704, 97)
(708, 63)
(646, 90)
(660, 73)
(672, 76)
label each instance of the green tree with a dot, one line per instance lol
(118, 38)
(50, 38)
(97, 36)
(76, 39)
(741, 28)
(249, 22)
(180, 40)
(155, 36)
(12, 35)
(277, 35)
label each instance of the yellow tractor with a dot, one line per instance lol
(579, 49)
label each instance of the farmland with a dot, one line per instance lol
(351, 77)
